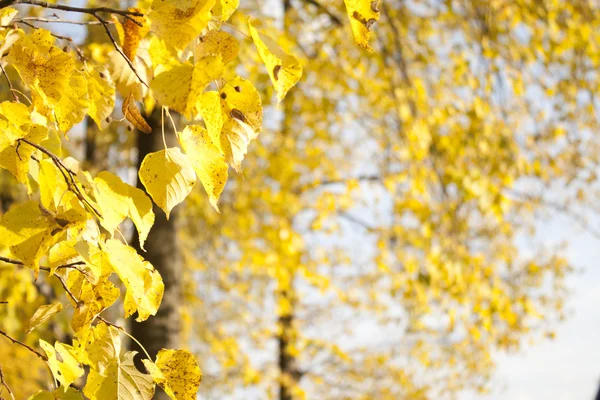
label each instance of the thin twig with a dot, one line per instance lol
(334, 18)
(4, 384)
(84, 10)
(10, 86)
(15, 341)
(57, 20)
(69, 176)
(116, 46)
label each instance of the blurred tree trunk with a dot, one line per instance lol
(162, 251)
(289, 371)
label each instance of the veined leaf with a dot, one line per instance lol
(119, 381)
(168, 177)
(62, 362)
(144, 284)
(177, 22)
(58, 394)
(43, 314)
(132, 114)
(176, 372)
(207, 160)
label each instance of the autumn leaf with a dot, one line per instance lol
(101, 94)
(217, 43)
(178, 22)
(120, 380)
(43, 314)
(99, 346)
(63, 363)
(181, 86)
(283, 69)
(168, 177)
(363, 14)
(144, 284)
(92, 298)
(133, 32)
(207, 160)
(176, 372)
(16, 124)
(58, 394)
(132, 114)
(118, 200)
(224, 9)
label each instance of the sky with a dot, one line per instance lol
(568, 367)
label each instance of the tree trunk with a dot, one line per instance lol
(163, 330)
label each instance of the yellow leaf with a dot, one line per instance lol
(177, 22)
(57, 394)
(118, 200)
(119, 381)
(73, 104)
(132, 114)
(101, 94)
(6, 15)
(125, 79)
(242, 110)
(224, 9)
(99, 346)
(217, 43)
(29, 231)
(45, 68)
(144, 284)
(363, 14)
(62, 362)
(43, 314)
(176, 372)
(54, 192)
(181, 86)
(209, 106)
(62, 253)
(168, 177)
(283, 69)
(92, 299)
(15, 124)
(207, 160)
(133, 33)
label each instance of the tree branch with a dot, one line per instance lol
(15, 341)
(62, 7)
(334, 18)
(116, 46)
(10, 86)
(4, 384)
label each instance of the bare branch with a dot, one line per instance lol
(62, 7)
(10, 86)
(116, 46)
(334, 18)
(4, 384)
(56, 19)
(15, 341)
